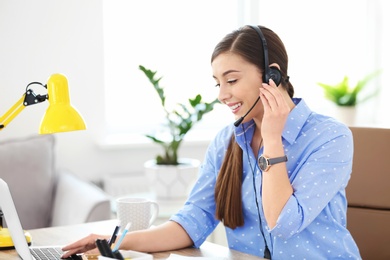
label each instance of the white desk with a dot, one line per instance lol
(67, 234)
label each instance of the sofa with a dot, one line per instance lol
(43, 195)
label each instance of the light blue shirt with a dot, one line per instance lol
(312, 224)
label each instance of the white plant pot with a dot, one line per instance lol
(346, 115)
(172, 182)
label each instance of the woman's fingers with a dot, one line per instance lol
(273, 96)
(83, 245)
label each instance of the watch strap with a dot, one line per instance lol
(272, 161)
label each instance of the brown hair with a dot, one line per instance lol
(246, 43)
(228, 188)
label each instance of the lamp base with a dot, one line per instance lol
(6, 240)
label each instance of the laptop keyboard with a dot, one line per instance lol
(49, 253)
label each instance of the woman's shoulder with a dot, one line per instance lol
(326, 127)
(317, 122)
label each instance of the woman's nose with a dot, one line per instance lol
(224, 93)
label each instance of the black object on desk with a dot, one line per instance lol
(105, 249)
(114, 235)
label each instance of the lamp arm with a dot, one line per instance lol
(28, 98)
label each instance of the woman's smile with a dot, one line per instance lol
(234, 107)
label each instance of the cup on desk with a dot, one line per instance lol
(140, 212)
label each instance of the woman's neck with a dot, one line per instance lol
(257, 142)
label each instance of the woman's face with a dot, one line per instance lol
(239, 82)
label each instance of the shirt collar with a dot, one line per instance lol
(296, 120)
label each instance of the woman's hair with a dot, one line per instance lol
(228, 188)
(244, 42)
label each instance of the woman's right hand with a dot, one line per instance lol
(83, 245)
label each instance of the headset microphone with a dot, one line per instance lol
(269, 72)
(239, 121)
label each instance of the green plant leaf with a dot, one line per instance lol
(155, 82)
(179, 121)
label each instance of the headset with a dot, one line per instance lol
(269, 72)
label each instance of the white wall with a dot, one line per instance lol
(42, 37)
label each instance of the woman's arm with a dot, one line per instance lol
(167, 236)
(276, 187)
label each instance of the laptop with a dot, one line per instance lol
(15, 229)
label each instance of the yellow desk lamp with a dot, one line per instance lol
(60, 116)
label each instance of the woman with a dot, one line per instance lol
(276, 178)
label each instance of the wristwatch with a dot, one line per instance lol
(266, 163)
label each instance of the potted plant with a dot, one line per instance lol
(342, 94)
(178, 122)
(347, 97)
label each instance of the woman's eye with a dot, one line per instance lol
(231, 81)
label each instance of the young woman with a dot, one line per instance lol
(276, 178)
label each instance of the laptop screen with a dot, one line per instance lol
(13, 223)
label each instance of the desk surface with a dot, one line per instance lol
(67, 234)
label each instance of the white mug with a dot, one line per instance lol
(140, 212)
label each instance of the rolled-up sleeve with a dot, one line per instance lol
(197, 223)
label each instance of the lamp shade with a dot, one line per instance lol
(60, 116)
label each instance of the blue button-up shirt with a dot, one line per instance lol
(312, 224)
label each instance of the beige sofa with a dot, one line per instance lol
(368, 192)
(44, 195)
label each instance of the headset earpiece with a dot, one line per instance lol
(274, 74)
(269, 72)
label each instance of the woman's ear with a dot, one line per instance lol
(275, 65)
(274, 73)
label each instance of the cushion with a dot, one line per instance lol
(78, 201)
(27, 166)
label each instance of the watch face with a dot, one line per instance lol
(263, 164)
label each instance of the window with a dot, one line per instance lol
(174, 38)
(325, 41)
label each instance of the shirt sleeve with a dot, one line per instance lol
(319, 174)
